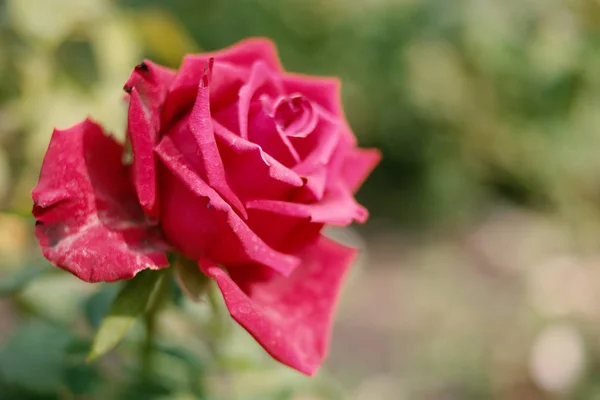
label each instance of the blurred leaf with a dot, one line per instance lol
(146, 391)
(34, 357)
(177, 294)
(190, 279)
(82, 378)
(135, 297)
(98, 304)
(75, 59)
(164, 36)
(193, 364)
(17, 280)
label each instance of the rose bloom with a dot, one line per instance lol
(237, 165)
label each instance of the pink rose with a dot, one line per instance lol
(236, 163)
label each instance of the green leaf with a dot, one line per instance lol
(192, 363)
(96, 307)
(17, 280)
(190, 279)
(135, 297)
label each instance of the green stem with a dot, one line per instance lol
(146, 355)
(218, 326)
(214, 303)
(158, 301)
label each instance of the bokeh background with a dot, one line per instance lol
(480, 271)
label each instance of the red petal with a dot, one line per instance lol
(290, 317)
(319, 146)
(225, 83)
(152, 82)
(195, 139)
(260, 75)
(148, 86)
(246, 52)
(323, 91)
(231, 71)
(263, 132)
(316, 178)
(142, 137)
(201, 224)
(252, 172)
(337, 207)
(247, 117)
(357, 166)
(284, 232)
(88, 219)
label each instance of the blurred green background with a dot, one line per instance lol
(480, 271)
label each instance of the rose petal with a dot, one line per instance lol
(226, 81)
(283, 232)
(320, 150)
(148, 86)
(316, 178)
(196, 141)
(231, 71)
(152, 82)
(358, 164)
(321, 90)
(318, 147)
(263, 132)
(88, 219)
(337, 207)
(294, 116)
(142, 137)
(201, 224)
(253, 122)
(290, 317)
(261, 82)
(252, 172)
(247, 52)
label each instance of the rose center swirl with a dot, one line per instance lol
(294, 115)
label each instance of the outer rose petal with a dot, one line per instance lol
(358, 165)
(142, 137)
(201, 224)
(152, 82)
(148, 86)
(88, 219)
(290, 317)
(246, 52)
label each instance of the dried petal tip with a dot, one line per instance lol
(128, 88)
(142, 66)
(207, 73)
